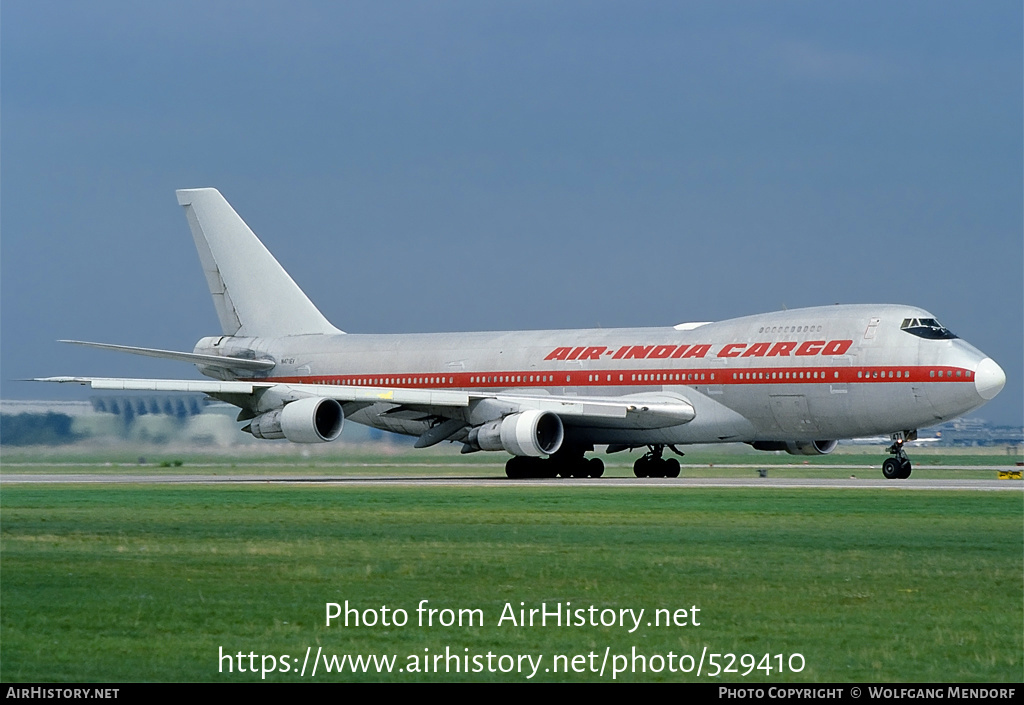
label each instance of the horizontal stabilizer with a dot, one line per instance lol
(369, 395)
(232, 363)
(155, 385)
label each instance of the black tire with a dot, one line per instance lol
(516, 467)
(892, 469)
(642, 467)
(524, 468)
(660, 467)
(905, 468)
(571, 467)
(575, 467)
(596, 467)
(671, 468)
(546, 468)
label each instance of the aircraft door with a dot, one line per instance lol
(792, 414)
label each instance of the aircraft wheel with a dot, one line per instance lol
(892, 469)
(569, 467)
(905, 469)
(671, 467)
(521, 468)
(596, 467)
(642, 467)
(581, 467)
(538, 467)
(657, 467)
(517, 467)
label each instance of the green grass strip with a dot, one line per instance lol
(133, 583)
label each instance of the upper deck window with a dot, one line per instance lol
(927, 328)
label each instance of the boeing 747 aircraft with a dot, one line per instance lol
(792, 380)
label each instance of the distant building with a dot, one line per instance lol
(193, 419)
(959, 433)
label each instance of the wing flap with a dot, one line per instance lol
(625, 412)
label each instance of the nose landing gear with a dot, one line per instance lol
(897, 467)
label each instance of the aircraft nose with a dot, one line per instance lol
(989, 378)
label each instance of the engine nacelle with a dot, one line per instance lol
(811, 447)
(533, 433)
(798, 447)
(314, 420)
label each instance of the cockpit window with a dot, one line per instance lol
(927, 328)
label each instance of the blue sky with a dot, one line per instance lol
(492, 165)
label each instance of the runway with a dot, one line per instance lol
(852, 483)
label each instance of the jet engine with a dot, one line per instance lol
(798, 447)
(313, 420)
(533, 433)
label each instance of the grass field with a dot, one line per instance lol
(128, 583)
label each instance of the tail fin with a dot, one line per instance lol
(252, 293)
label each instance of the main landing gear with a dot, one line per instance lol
(564, 463)
(652, 464)
(897, 467)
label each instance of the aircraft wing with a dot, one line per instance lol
(431, 397)
(635, 411)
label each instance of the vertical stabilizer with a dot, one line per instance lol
(252, 293)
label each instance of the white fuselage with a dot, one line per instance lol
(800, 375)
